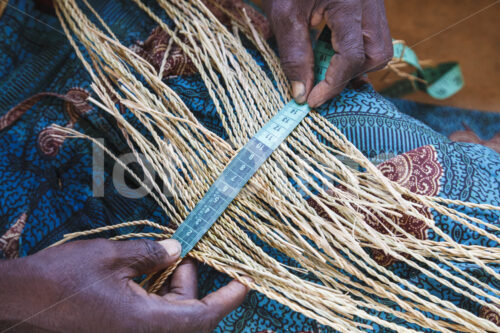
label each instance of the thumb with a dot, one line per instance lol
(144, 256)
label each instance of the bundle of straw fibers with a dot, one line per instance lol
(334, 280)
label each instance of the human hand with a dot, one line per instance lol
(87, 286)
(360, 37)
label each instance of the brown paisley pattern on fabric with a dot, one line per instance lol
(9, 242)
(468, 135)
(50, 139)
(76, 103)
(153, 49)
(234, 9)
(490, 314)
(75, 98)
(417, 170)
(17, 111)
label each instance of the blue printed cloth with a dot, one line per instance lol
(46, 185)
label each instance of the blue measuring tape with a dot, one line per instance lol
(237, 173)
(441, 81)
(246, 163)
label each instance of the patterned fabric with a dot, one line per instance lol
(447, 120)
(224, 10)
(47, 182)
(468, 135)
(460, 126)
(9, 242)
(157, 46)
(159, 43)
(490, 314)
(419, 171)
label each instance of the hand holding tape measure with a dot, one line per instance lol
(363, 43)
(361, 38)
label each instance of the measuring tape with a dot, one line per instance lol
(237, 173)
(246, 163)
(442, 81)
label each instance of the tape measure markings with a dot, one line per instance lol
(246, 163)
(237, 173)
(448, 84)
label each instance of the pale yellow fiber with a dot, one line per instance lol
(331, 247)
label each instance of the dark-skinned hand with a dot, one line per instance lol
(87, 286)
(360, 37)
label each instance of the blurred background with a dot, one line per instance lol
(467, 31)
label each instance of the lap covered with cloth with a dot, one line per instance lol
(47, 182)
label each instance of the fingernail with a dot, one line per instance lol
(172, 246)
(299, 92)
